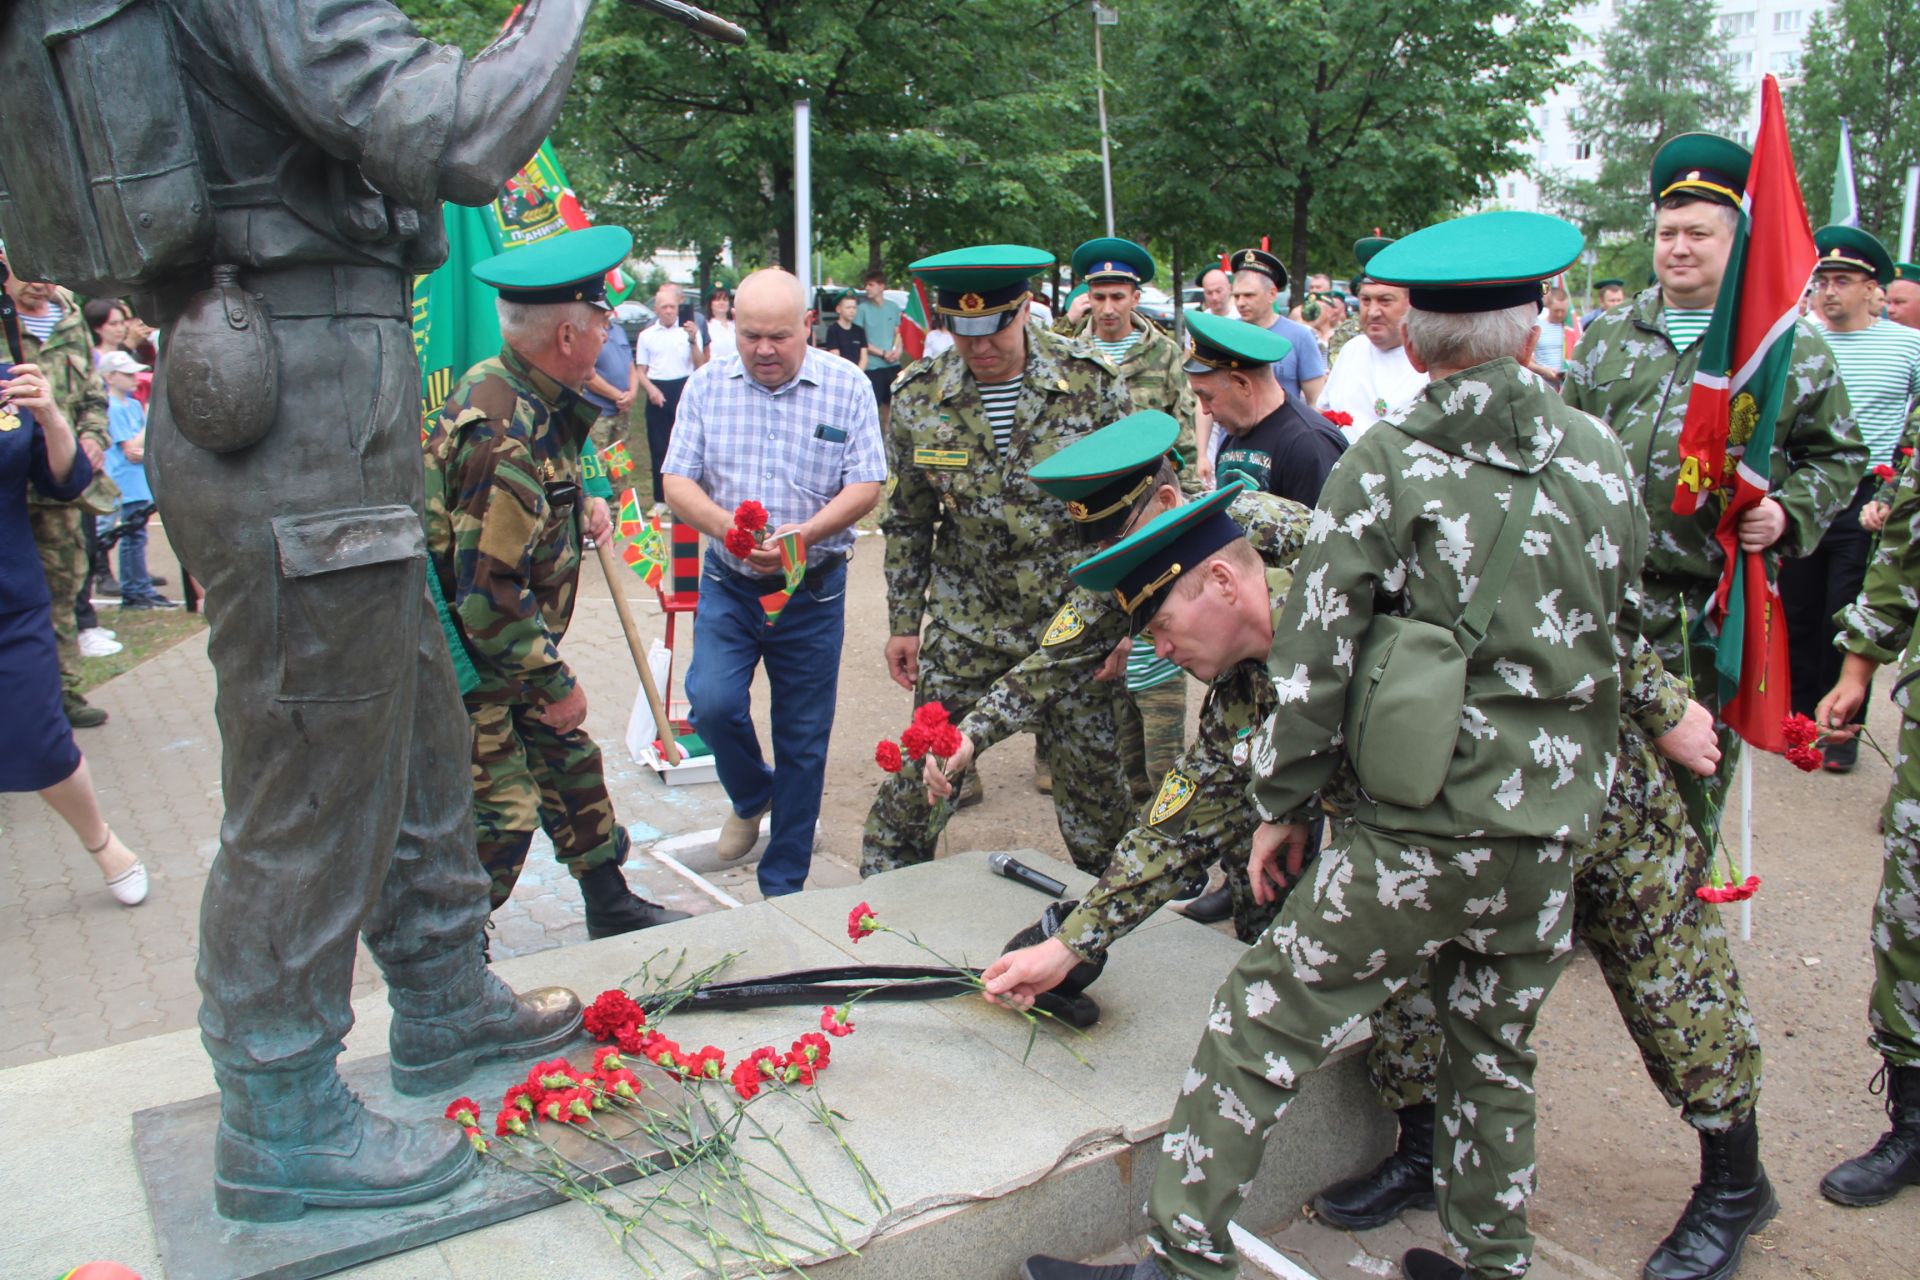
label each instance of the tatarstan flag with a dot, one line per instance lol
(1745, 359)
(913, 323)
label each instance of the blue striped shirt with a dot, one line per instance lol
(791, 448)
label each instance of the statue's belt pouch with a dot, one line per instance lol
(1409, 685)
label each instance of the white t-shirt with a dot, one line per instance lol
(666, 353)
(720, 340)
(938, 340)
(1367, 383)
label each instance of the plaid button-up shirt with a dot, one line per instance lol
(791, 448)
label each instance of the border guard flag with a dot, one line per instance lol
(1745, 360)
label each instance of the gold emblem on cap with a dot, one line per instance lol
(1250, 258)
(1132, 604)
(972, 304)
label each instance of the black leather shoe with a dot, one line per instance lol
(1425, 1264)
(1211, 908)
(1894, 1163)
(1404, 1180)
(1841, 757)
(1040, 1267)
(614, 909)
(1082, 975)
(1732, 1200)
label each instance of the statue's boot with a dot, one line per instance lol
(1732, 1200)
(293, 1140)
(1404, 1180)
(450, 1015)
(1894, 1162)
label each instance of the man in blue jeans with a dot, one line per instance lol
(794, 429)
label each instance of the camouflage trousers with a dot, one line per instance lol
(1493, 916)
(1662, 951)
(1153, 733)
(1075, 735)
(1895, 1008)
(60, 533)
(527, 778)
(1661, 624)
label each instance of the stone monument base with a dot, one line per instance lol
(986, 1152)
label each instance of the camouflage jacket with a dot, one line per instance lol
(1088, 627)
(971, 540)
(504, 447)
(1627, 373)
(1155, 370)
(1879, 622)
(1405, 525)
(66, 357)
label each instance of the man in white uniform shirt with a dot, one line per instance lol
(664, 357)
(1371, 375)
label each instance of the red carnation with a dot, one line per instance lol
(1728, 892)
(621, 1082)
(746, 1080)
(554, 1105)
(946, 741)
(837, 1022)
(930, 715)
(708, 1064)
(607, 1059)
(750, 516)
(1338, 417)
(740, 542)
(511, 1120)
(861, 921)
(610, 1012)
(917, 740)
(477, 1138)
(1884, 471)
(464, 1112)
(1799, 731)
(887, 755)
(576, 1105)
(814, 1048)
(1805, 759)
(557, 1074)
(521, 1097)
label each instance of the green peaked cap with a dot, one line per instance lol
(1110, 258)
(1482, 262)
(1102, 475)
(1854, 250)
(981, 290)
(1705, 165)
(1906, 271)
(1224, 342)
(1140, 568)
(569, 267)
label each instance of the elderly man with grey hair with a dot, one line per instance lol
(664, 356)
(796, 430)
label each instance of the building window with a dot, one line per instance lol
(1786, 61)
(1743, 136)
(1740, 63)
(1512, 189)
(1583, 151)
(1786, 20)
(1736, 24)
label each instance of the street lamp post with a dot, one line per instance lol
(1103, 17)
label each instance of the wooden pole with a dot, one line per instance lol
(618, 589)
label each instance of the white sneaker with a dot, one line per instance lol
(96, 642)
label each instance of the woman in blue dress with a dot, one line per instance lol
(37, 447)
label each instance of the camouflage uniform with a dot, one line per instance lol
(1343, 333)
(59, 528)
(1201, 812)
(508, 559)
(983, 553)
(1880, 625)
(1397, 885)
(1627, 373)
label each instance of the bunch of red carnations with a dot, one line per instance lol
(749, 522)
(931, 733)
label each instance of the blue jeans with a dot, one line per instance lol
(802, 656)
(136, 582)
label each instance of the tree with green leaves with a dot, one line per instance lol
(1861, 63)
(1663, 70)
(1315, 123)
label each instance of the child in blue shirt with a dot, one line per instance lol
(126, 463)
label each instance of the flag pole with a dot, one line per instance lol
(1906, 219)
(1746, 840)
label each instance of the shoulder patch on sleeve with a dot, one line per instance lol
(1176, 792)
(1065, 626)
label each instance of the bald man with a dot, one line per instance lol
(794, 428)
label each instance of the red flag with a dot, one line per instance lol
(913, 323)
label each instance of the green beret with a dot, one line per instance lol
(1703, 165)
(984, 289)
(1102, 475)
(1109, 258)
(1223, 342)
(569, 267)
(1140, 568)
(1482, 262)
(1851, 249)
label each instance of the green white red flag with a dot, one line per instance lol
(913, 322)
(1745, 362)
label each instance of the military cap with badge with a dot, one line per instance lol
(1103, 476)
(570, 267)
(1216, 343)
(1851, 249)
(1363, 250)
(1263, 263)
(983, 289)
(1110, 258)
(1704, 166)
(1140, 569)
(1906, 271)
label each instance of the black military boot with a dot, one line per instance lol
(1210, 908)
(613, 908)
(1404, 1180)
(1894, 1162)
(1732, 1200)
(450, 1015)
(290, 1140)
(1425, 1264)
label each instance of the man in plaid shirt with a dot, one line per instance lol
(798, 431)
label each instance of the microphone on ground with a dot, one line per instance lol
(1015, 870)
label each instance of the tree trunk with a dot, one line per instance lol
(873, 250)
(1297, 252)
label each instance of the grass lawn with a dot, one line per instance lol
(143, 634)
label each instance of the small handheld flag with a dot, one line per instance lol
(793, 568)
